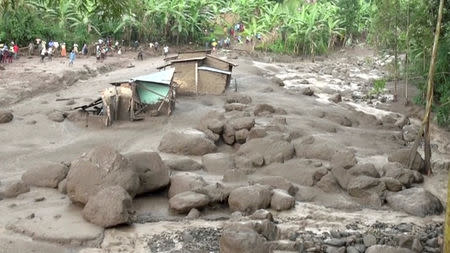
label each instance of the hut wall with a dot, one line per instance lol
(211, 82)
(185, 77)
(214, 63)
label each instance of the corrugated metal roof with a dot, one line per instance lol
(217, 58)
(162, 77)
(151, 93)
(190, 59)
(214, 70)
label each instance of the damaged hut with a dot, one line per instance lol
(154, 93)
(200, 74)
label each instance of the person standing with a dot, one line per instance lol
(50, 53)
(84, 50)
(43, 52)
(16, 51)
(72, 57)
(166, 50)
(63, 50)
(30, 49)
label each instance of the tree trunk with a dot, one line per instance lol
(407, 55)
(426, 120)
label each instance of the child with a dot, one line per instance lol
(72, 57)
(166, 50)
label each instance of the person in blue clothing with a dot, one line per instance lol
(72, 57)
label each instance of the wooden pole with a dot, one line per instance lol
(425, 128)
(408, 21)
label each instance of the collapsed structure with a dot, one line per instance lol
(129, 100)
(198, 73)
(188, 73)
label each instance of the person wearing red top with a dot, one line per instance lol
(16, 50)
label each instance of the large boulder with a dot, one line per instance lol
(56, 116)
(329, 184)
(402, 156)
(313, 147)
(238, 98)
(404, 176)
(153, 173)
(187, 142)
(183, 182)
(342, 176)
(242, 240)
(343, 158)
(46, 176)
(185, 201)
(392, 184)
(298, 171)
(242, 123)
(281, 200)
(278, 182)
(218, 162)
(415, 201)
(13, 189)
(272, 150)
(263, 109)
(184, 164)
(218, 192)
(365, 169)
(102, 167)
(215, 125)
(387, 249)
(250, 198)
(6, 117)
(409, 133)
(109, 207)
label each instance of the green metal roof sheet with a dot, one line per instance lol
(162, 77)
(151, 93)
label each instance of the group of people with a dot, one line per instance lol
(7, 54)
(235, 33)
(51, 49)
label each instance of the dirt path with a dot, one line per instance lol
(32, 139)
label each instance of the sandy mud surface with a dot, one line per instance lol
(307, 111)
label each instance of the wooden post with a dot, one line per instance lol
(196, 78)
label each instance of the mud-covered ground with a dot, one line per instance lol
(31, 91)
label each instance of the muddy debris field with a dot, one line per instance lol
(294, 156)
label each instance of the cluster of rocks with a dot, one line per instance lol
(103, 181)
(260, 233)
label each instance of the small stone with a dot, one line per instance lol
(335, 234)
(193, 214)
(39, 199)
(31, 216)
(187, 237)
(432, 243)
(308, 92)
(335, 242)
(369, 240)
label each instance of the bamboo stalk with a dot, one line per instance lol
(425, 128)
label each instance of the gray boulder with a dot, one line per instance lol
(14, 189)
(242, 240)
(188, 142)
(409, 133)
(262, 109)
(415, 201)
(281, 200)
(241, 135)
(242, 123)
(109, 207)
(215, 125)
(218, 162)
(369, 191)
(102, 167)
(343, 158)
(235, 107)
(56, 116)
(6, 117)
(336, 98)
(387, 249)
(62, 186)
(234, 175)
(404, 176)
(185, 201)
(250, 198)
(365, 169)
(402, 156)
(153, 173)
(183, 182)
(279, 183)
(46, 176)
(238, 98)
(183, 164)
(329, 184)
(229, 134)
(256, 132)
(392, 184)
(272, 150)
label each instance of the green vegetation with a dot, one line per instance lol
(396, 27)
(378, 87)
